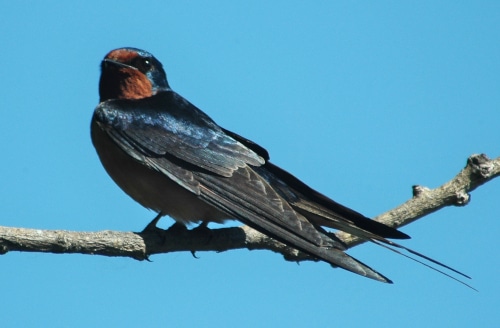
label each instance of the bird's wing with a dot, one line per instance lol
(250, 199)
(188, 147)
(315, 206)
(323, 211)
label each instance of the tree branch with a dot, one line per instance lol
(479, 170)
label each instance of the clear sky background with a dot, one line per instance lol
(361, 100)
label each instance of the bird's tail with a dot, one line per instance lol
(395, 247)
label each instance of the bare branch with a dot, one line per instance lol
(479, 170)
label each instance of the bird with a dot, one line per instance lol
(172, 158)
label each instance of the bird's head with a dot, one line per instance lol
(130, 73)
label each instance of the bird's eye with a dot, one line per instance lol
(146, 64)
(143, 64)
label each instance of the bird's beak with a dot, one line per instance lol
(107, 61)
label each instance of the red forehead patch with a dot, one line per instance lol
(122, 55)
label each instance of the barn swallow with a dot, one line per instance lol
(171, 157)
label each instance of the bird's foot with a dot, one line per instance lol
(151, 227)
(202, 231)
(177, 227)
(202, 227)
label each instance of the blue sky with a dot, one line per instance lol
(361, 100)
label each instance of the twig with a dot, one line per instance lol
(479, 170)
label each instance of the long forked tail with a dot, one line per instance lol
(387, 243)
